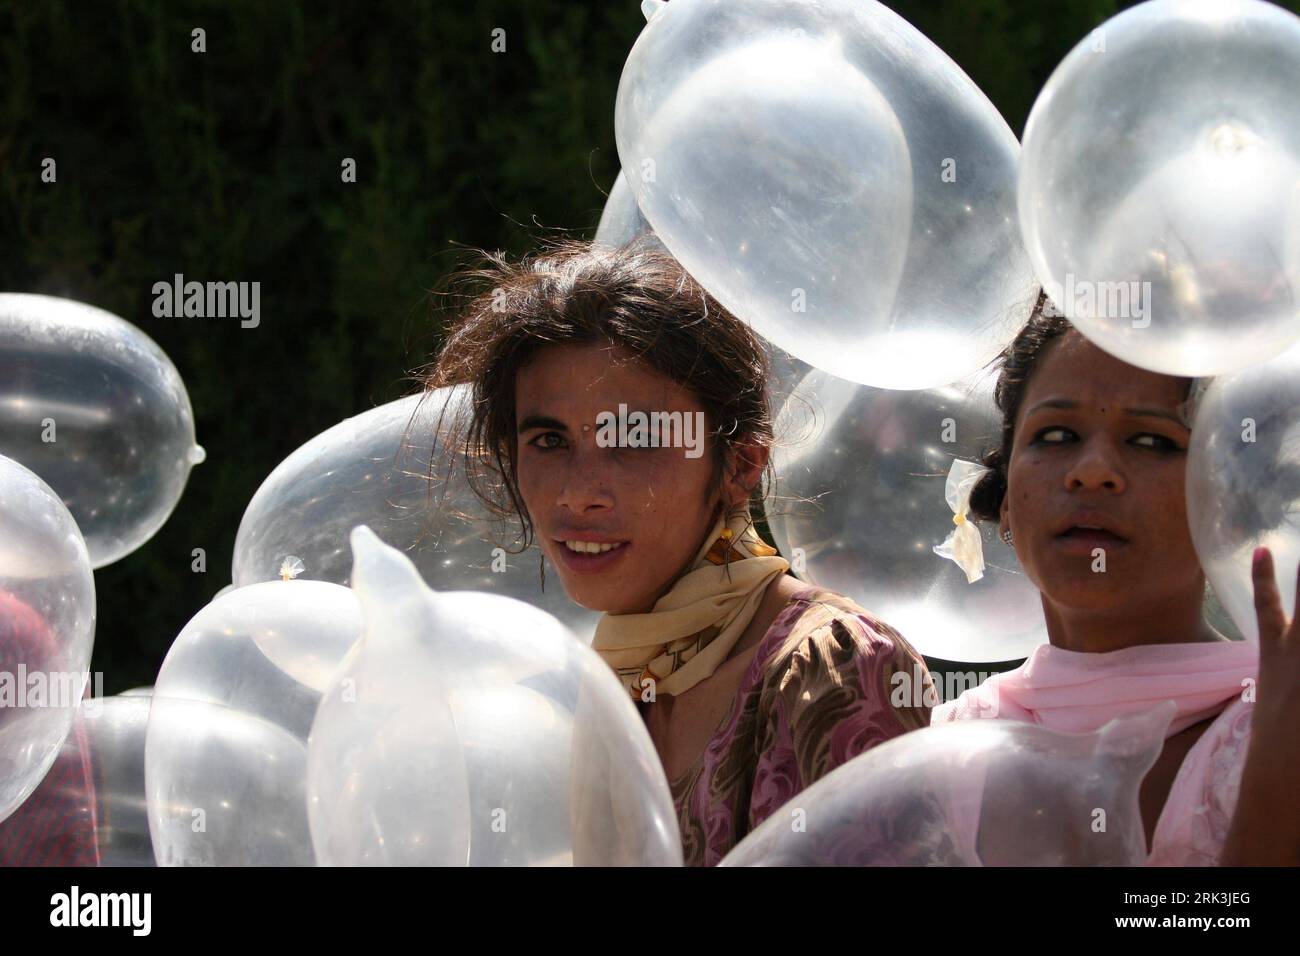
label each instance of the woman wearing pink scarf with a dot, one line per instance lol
(1092, 463)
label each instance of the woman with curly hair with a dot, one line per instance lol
(624, 415)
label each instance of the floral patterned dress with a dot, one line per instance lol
(816, 694)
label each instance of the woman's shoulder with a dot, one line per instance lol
(823, 693)
(816, 613)
(825, 642)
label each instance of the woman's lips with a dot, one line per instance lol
(1086, 540)
(582, 563)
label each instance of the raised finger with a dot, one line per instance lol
(1268, 601)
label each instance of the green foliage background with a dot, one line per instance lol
(225, 165)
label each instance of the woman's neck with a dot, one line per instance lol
(1112, 629)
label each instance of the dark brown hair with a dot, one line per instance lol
(1017, 362)
(572, 292)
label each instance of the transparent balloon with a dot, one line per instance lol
(833, 178)
(1159, 192)
(226, 753)
(473, 729)
(1243, 482)
(859, 504)
(786, 374)
(47, 629)
(93, 406)
(386, 469)
(980, 792)
(621, 224)
(90, 809)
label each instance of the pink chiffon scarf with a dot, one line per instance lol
(1079, 692)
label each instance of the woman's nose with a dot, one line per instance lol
(585, 483)
(1097, 468)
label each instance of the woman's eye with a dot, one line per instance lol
(541, 441)
(1158, 442)
(1053, 436)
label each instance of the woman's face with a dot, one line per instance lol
(1096, 480)
(650, 502)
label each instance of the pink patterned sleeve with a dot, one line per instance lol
(827, 697)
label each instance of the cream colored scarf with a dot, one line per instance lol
(693, 627)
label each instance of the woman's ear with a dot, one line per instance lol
(745, 463)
